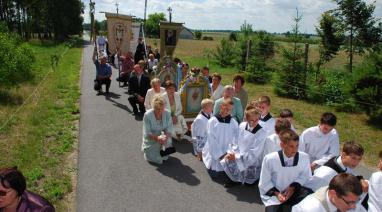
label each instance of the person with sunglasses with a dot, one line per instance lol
(342, 194)
(14, 196)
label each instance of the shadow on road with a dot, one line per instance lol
(245, 193)
(111, 96)
(174, 168)
(183, 146)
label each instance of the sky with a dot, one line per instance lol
(269, 15)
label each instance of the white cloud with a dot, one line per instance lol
(270, 15)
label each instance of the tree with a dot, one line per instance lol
(152, 24)
(246, 29)
(198, 35)
(356, 20)
(331, 40)
(225, 53)
(291, 78)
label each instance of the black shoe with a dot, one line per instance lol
(167, 151)
(230, 184)
(135, 113)
(249, 185)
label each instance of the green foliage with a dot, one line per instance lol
(232, 36)
(331, 39)
(207, 38)
(367, 86)
(225, 53)
(246, 29)
(291, 77)
(152, 24)
(198, 35)
(356, 20)
(16, 58)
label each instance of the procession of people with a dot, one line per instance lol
(240, 140)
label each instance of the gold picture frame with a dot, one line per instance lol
(192, 95)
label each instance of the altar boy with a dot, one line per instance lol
(283, 174)
(266, 120)
(243, 162)
(222, 130)
(199, 127)
(375, 190)
(321, 142)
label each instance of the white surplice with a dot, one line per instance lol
(320, 147)
(272, 144)
(268, 123)
(276, 176)
(375, 192)
(199, 131)
(220, 134)
(248, 153)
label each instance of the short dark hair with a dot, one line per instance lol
(329, 119)
(286, 113)
(206, 68)
(344, 184)
(282, 124)
(350, 147)
(177, 60)
(169, 83)
(288, 135)
(239, 77)
(13, 178)
(217, 76)
(380, 155)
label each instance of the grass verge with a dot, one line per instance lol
(43, 133)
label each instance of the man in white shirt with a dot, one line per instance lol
(342, 195)
(321, 142)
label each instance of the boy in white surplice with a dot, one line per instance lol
(222, 130)
(283, 173)
(199, 127)
(375, 190)
(243, 162)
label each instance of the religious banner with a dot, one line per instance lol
(169, 36)
(136, 27)
(119, 32)
(194, 89)
(166, 70)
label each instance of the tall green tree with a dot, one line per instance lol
(152, 24)
(331, 39)
(355, 17)
(291, 77)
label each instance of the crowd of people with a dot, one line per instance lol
(243, 142)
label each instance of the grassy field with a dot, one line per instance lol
(350, 126)
(42, 130)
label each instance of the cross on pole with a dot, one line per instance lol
(117, 4)
(169, 9)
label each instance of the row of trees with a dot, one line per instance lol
(43, 18)
(350, 27)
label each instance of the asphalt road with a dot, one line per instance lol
(113, 176)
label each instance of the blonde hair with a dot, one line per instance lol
(265, 100)
(206, 102)
(153, 81)
(158, 102)
(251, 110)
(227, 101)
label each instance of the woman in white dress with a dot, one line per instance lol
(155, 89)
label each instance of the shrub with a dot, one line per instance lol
(367, 86)
(198, 35)
(16, 58)
(225, 53)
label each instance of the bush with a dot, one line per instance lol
(16, 58)
(225, 53)
(367, 86)
(198, 35)
(207, 38)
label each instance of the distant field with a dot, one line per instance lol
(350, 126)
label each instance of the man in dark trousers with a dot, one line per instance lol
(138, 86)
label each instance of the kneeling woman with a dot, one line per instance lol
(157, 128)
(243, 161)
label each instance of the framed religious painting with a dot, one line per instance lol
(192, 95)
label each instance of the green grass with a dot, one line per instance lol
(43, 133)
(350, 126)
